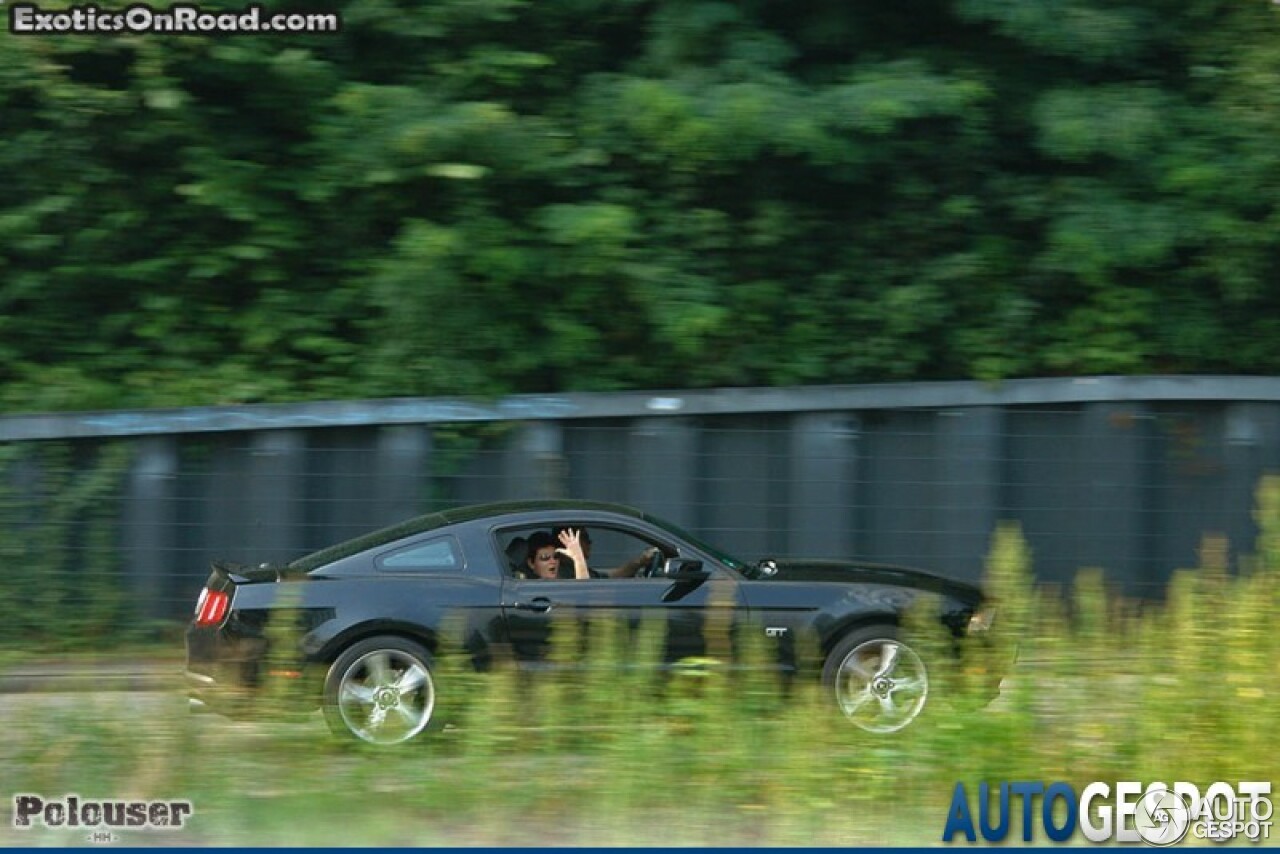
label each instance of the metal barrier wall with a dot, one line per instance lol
(1126, 474)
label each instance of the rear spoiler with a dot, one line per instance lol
(238, 573)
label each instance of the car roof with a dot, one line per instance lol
(454, 516)
(508, 508)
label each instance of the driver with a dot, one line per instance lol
(582, 538)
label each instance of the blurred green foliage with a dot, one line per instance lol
(465, 197)
(65, 585)
(610, 754)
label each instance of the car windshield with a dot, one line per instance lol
(722, 556)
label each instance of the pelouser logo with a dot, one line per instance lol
(1156, 814)
(71, 811)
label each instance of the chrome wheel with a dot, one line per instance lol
(383, 694)
(881, 684)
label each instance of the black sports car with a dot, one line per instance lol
(369, 614)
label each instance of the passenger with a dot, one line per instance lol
(517, 553)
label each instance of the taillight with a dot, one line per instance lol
(211, 607)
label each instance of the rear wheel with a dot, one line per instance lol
(879, 682)
(381, 691)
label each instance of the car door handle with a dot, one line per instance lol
(541, 604)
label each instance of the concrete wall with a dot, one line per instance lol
(1126, 474)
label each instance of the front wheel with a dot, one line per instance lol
(879, 682)
(380, 691)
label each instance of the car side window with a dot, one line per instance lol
(620, 554)
(442, 554)
(612, 552)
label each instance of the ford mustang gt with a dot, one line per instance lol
(369, 616)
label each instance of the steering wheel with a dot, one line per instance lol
(653, 567)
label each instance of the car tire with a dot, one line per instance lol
(381, 691)
(879, 683)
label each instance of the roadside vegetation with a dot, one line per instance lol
(1104, 689)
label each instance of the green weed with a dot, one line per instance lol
(602, 751)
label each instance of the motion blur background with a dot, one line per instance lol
(817, 277)
(465, 203)
(114, 517)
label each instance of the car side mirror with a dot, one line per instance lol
(684, 569)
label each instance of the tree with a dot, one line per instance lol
(497, 197)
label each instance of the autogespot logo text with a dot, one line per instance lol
(1155, 813)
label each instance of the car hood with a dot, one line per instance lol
(861, 572)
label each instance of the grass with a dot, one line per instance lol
(1185, 689)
